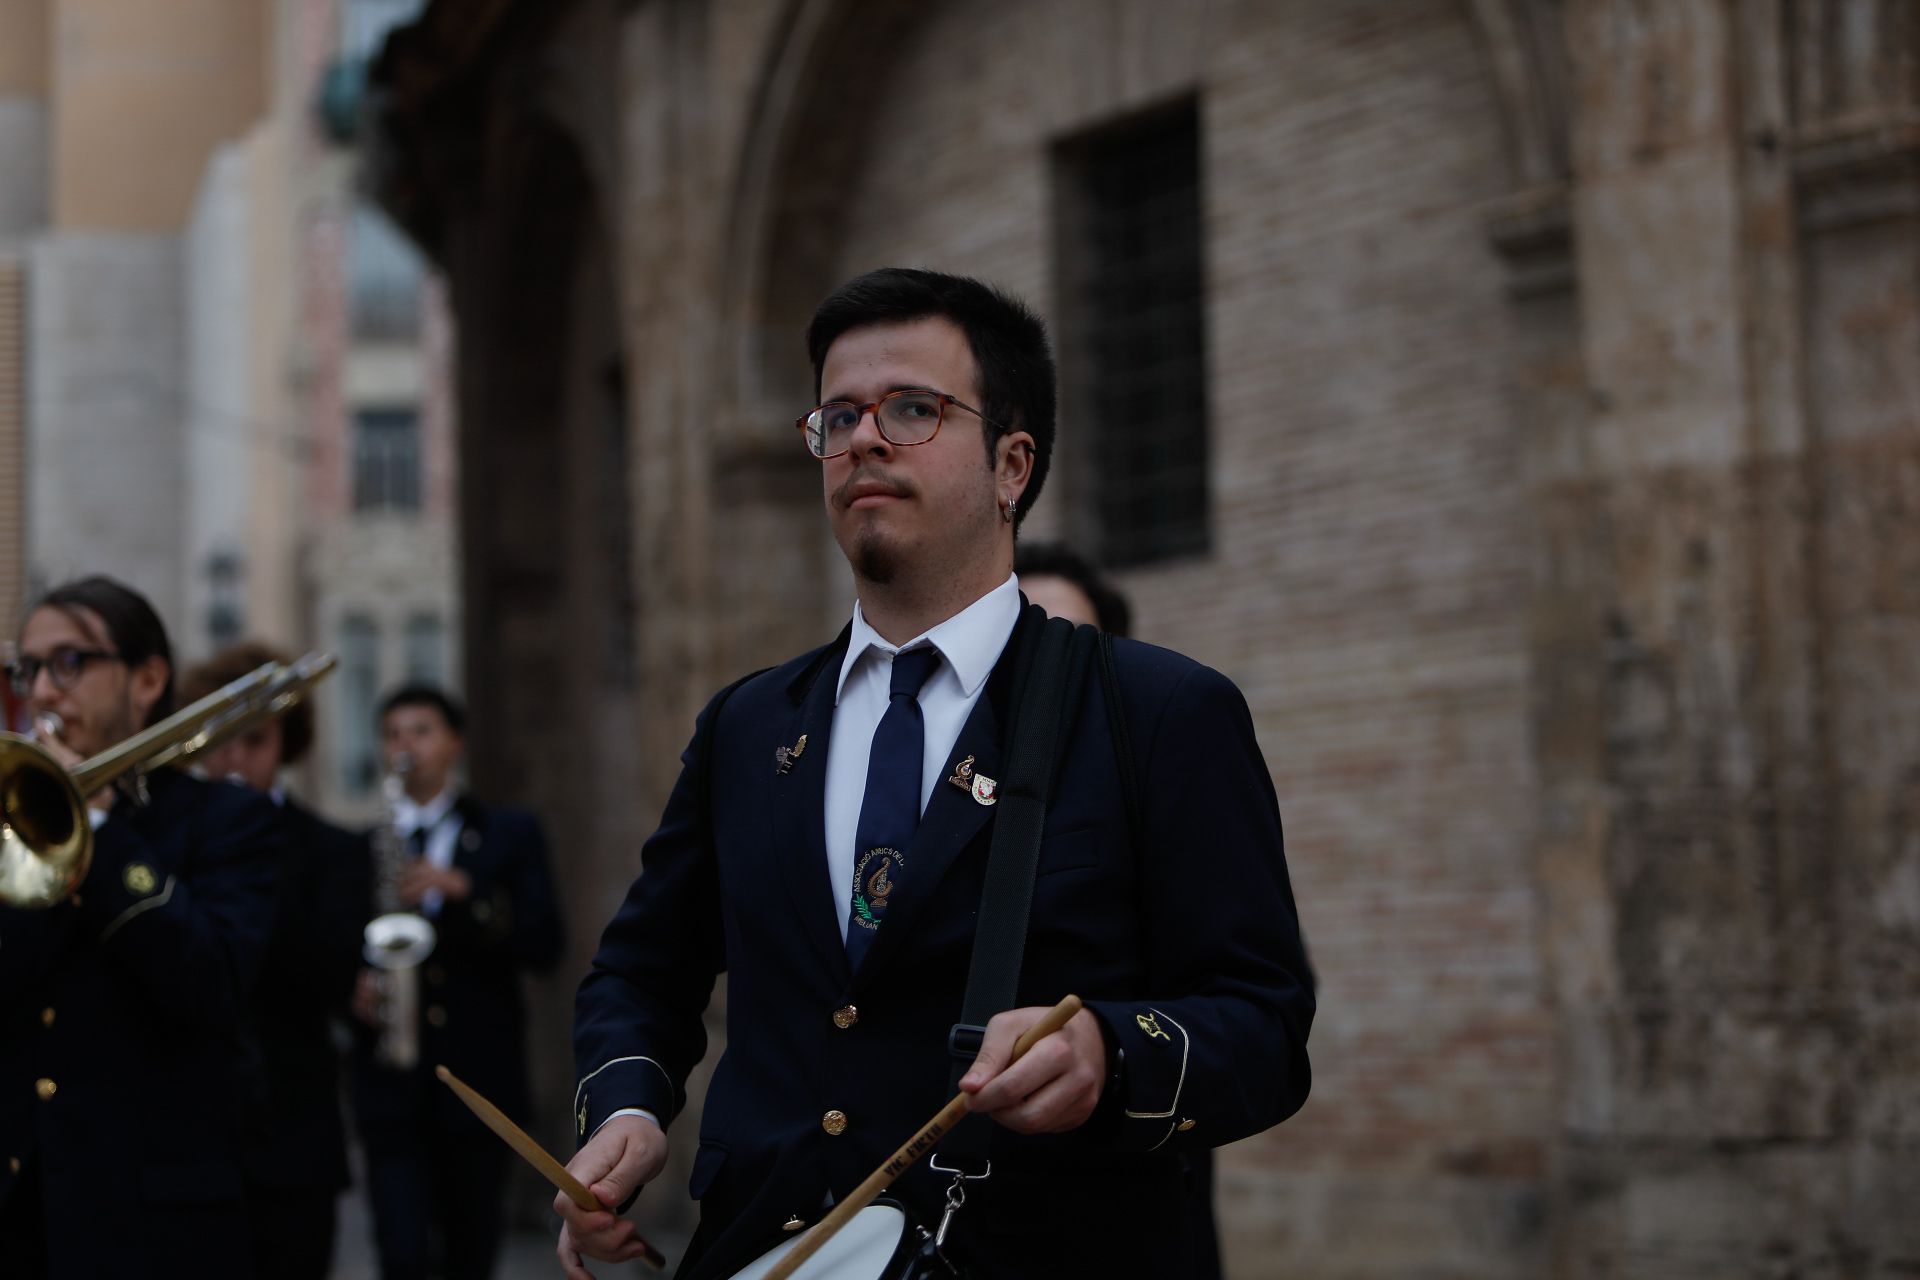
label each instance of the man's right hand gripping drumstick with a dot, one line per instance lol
(624, 1155)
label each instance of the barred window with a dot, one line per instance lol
(1132, 312)
(359, 688)
(386, 459)
(426, 647)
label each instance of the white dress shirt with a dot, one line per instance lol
(409, 817)
(970, 642)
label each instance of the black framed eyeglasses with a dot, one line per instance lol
(64, 666)
(904, 418)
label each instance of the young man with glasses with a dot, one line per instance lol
(121, 1008)
(826, 846)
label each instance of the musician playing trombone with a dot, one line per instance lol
(121, 1004)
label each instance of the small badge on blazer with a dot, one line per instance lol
(873, 885)
(962, 776)
(139, 879)
(1151, 1025)
(783, 757)
(985, 789)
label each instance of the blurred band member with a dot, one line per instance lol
(121, 1008)
(1066, 585)
(296, 1156)
(480, 875)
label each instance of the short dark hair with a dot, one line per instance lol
(1054, 559)
(418, 693)
(133, 628)
(1008, 340)
(236, 660)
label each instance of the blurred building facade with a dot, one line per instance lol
(224, 377)
(1518, 398)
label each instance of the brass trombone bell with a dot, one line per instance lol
(46, 841)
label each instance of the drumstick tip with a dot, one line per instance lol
(442, 1074)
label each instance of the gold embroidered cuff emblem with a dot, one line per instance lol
(139, 879)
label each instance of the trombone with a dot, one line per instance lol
(46, 841)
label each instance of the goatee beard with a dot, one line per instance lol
(875, 562)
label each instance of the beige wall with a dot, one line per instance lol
(142, 93)
(23, 48)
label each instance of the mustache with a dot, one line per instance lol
(870, 476)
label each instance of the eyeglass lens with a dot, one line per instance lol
(905, 417)
(63, 666)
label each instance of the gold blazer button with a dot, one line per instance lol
(845, 1016)
(834, 1122)
(46, 1016)
(47, 1088)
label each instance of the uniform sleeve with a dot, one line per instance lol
(191, 941)
(637, 1017)
(1219, 1050)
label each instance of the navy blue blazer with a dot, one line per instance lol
(1187, 948)
(472, 1013)
(122, 1085)
(296, 1137)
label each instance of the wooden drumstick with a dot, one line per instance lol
(915, 1147)
(536, 1155)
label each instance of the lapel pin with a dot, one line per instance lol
(963, 775)
(783, 757)
(984, 788)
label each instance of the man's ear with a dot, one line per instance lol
(1013, 463)
(146, 682)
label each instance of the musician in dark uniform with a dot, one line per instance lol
(122, 1008)
(479, 873)
(296, 1158)
(878, 750)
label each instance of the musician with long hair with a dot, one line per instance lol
(826, 847)
(122, 1006)
(296, 1139)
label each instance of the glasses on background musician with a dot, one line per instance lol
(296, 1146)
(120, 1006)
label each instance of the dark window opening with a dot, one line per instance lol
(1129, 224)
(386, 460)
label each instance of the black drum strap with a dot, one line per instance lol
(1050, 670)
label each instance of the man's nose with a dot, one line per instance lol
(867, 437)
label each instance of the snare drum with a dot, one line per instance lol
(878, 1243)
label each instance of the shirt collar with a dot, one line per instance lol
(971, 640)
(409, 816)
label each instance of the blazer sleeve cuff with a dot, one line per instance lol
(1155, 1081)
(623, 1084)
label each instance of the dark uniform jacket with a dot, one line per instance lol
(296, 1137)
(1187, 949)
(122, 1087)
(472, 1013)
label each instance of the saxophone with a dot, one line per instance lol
(397, 940)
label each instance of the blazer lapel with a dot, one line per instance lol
(799, 806)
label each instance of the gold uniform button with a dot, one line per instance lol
(46, 1017)
(45, 1088)
(436, 1016)
(1185, 1125)
(793, 1223)
(139, 879)
(845, 1016)
(13, 1164)
(834, 1122)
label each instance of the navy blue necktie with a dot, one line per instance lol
(890, 811)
